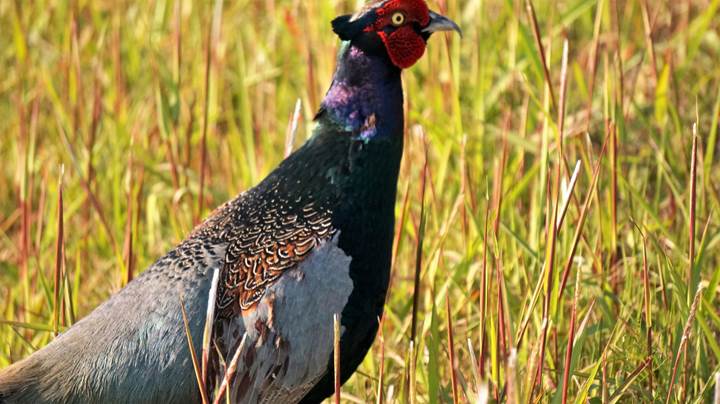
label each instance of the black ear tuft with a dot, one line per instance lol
(348, 28)
(345, 28)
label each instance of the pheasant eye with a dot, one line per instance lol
(398, 19)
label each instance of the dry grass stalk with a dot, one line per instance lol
(418, 253)
(381, 376)
(336, 356)
(209, 321)
(230, 372)
(451, 350)
(684, 341)
(291, 132)
(552, 229)
(541, 49)
(213, 36)
(581, 220)
(59, 255)
(193, 355)
(570, 341)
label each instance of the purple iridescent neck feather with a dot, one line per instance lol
(366, 96)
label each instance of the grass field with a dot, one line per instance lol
(618, 302)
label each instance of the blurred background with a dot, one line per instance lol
(160, 110)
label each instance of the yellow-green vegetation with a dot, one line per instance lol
(612, 302)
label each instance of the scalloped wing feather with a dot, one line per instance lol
(289, 334)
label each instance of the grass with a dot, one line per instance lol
(616, 302)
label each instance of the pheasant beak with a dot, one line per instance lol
(441, 23)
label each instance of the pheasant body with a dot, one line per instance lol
(345, 182)
(311, 240)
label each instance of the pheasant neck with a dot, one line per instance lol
(366, 95)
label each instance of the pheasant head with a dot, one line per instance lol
(400, 28)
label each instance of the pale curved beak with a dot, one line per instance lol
(441, 23)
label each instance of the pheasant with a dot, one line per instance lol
(312, 239)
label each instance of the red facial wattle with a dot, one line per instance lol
(404, 46)
(403, 43)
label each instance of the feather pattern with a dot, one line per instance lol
(312, 239)
(277, 235)
(288, 336)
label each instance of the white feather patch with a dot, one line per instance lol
(290, 332)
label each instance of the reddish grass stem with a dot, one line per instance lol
(128, 249)
(592, 61)
(541, 50)
(483, 296)
(570, 342)
(501, 346)
(59, 254)
(613, 192)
